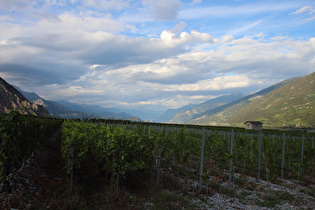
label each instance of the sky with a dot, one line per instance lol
(153, 54)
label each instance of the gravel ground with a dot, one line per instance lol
(288, 194)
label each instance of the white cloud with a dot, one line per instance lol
(218, 83)
(308, 9)
(228, 38)
(172, 39)
(306, 14)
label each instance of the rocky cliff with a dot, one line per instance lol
(12, 99)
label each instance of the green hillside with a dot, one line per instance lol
(291, 105)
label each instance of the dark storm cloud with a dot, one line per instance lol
(40, 74)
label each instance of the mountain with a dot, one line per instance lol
(170, 113)
(291, 105)
(65, 109)
(95, 110)
(134, 119)
(55, 108)
(12, 99)
(197, 110)
(144, 114)
(288, 103)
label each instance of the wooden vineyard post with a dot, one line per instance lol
(302, 155)
(158, 165)
(259, 156)
(283, 152)
(201, 159)
(313, 162)
(72, 160)
(117, 180)
(231, 160)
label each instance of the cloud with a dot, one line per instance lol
(63, 50)
(244, 64)
(306, 13)
(163, 10)
(217, 83)
(172, 39)
(15, 4)
(228, 38)
(196, 1)
(308, 9)
(250, 9)
(50, 17)
(90, 55)
(179, 27)
(106, 4)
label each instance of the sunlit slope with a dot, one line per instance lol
(289, 105)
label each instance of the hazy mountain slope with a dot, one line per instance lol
(12, 99)
(170, 113)
(185, 116)
(274, 109)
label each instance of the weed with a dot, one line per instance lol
(273, 198)
(284, 196)
(312, 192)
(170, 182)
(203, 199)
(165, 200)
(215, 185)
(269, 201)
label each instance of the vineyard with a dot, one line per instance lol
(119, 148)
(122, 147)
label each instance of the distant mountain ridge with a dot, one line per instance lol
(94, 109)
(65, 109)
(12, 99)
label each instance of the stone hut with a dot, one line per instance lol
(253, 125)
